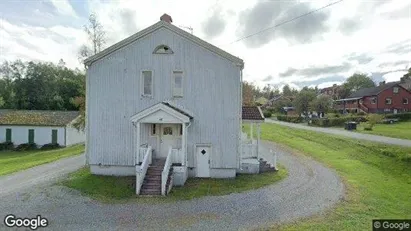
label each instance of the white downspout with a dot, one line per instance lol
(241, 119)
(186, 152)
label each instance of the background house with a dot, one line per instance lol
(386, 98)
(39, 127)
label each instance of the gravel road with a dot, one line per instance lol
(309, 189)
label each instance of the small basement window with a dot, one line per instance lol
(163, 49)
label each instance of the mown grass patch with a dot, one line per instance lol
(13, 161)
(122, 189)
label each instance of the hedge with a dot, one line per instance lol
(401, 116)
(331, 122)
(291, 119)
(50, 146)
(26, 146)
(6, 146)
(267, 114)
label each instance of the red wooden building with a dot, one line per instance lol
(386, 98)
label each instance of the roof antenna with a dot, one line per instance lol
(187, 27)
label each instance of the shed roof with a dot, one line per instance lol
(37, 117)
(252, 113)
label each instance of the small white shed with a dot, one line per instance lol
(39, 127)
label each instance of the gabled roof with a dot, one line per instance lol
(37, 117)
(171, 27)
(372, 90)
(178, 109)
(252, 113)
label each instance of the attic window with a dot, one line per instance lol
(163, 49)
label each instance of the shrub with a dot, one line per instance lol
(26, 146)
(372, 120)
(291, 119)
(338, 121)
(361, 113)
(50, 146)
(6, 146)
(401, 116)
(267, 114)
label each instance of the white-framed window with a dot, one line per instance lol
(405, 101)
(167, 131)
(153, 129)
(147, 83)
(388, 100)
(373, 100)
(395, 89)
(177, 84)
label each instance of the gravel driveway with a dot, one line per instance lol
(310, 189)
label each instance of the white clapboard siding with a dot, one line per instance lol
(211, 92)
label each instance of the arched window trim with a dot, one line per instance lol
(159, 48)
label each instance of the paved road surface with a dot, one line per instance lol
(355, 135)
(309, 189)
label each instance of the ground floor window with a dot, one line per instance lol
(54, 136)
(405, 101)
(388, 100)
(8, 135)
(31, 136)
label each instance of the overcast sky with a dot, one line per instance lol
(317, 50)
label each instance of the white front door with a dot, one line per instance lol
(203, 161)
(168, 137)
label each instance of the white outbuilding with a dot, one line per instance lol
(40, 127)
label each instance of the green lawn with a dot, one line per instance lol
(122, 189)
(12, 161)
(377, 178)
(397, 130)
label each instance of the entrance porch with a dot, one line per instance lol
(160, 148)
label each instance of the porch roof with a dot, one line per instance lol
(163, 112)
(252, 113)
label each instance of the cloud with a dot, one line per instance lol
(128, 21)
(317, 70)
(64, 7)
(360, 58)
(268, 78)
(404, 63)
(266, 14)
(403, 47)
(215, 24)
(348, 26)
(328, 79)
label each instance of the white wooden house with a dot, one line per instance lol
(39, 127)
(164, 105)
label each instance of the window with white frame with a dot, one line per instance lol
(147, 83)
(177, 83)
(405, 101)
(373, 100)
(153, 129)
(388, 101)
(395, 89)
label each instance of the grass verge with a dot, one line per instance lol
(121, 189)
(13, 161)
(377, 177)
(400, 130)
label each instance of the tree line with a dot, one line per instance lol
(308, 98)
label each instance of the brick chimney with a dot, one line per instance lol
(166, 18)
